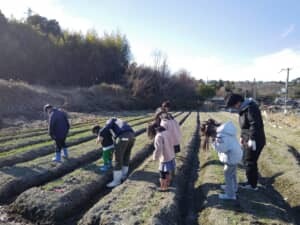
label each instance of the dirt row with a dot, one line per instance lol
(30, 152)
(20, 177)
(137, 200)
(36, 129)
(22, 135)
(268, 205)
(64, 197)
(44, 137)
(76, 119)
(41, 169)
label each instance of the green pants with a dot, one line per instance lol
(107, 156)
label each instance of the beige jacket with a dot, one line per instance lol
(164, 148)
(174, 129)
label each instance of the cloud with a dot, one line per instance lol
(262, 68)
(288, 31)
(52, 9)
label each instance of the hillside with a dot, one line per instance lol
(21, 101)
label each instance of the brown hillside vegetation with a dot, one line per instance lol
(22, 101)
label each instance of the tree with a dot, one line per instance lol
(44, 25)
(160, 62)
(206, 91)
(229, 86)
(3, 20)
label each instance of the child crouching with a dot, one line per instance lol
(230, 153)
(107, 144)
(164, 152)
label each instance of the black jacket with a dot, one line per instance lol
(251, 123)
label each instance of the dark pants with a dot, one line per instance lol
(250, 162)
(60, 144)
(124, 144)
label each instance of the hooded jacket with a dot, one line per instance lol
(116, 127)
(251, 123)
(227, 145)
(174, 130)
(164, 148)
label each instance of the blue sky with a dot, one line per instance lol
(214, 39)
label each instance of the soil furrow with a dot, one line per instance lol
(54, 206)
(127, 203)
(36, 139)
(20, 155)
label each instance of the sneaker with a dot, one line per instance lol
(57, 157)
(248, 187)
(226, 197)
(223, 187)
(65, 154)
(105, 168)
(54, 159)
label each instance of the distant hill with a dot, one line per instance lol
(271, 88)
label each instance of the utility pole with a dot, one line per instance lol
(286, 88)
(254, 89)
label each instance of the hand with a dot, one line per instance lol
(241, 141)
(252, 144)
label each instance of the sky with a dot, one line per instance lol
(211, 39)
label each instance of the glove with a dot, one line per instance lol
(252, 144)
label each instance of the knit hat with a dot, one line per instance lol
(231, 99)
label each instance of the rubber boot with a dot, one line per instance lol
(124, 172)
(65, 155)
(57, 157)
(117, 174)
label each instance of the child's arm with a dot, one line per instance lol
(158, 145)
(220, 144)
(99, 139)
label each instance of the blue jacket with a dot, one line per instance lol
(58, 124)
(116, 127)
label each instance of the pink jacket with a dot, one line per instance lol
(164, 148)
(174, 129)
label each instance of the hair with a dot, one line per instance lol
(209, 130)
(96, 129)
(231, 99)
(166, 104)
(151, 129)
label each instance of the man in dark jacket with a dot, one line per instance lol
(58, 130)
(124, 139)
(252, 135)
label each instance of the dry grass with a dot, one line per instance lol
(262, 207)
(23, 102)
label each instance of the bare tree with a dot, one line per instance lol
(160, 62)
